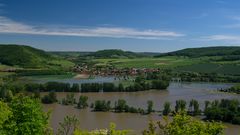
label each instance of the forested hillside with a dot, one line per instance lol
(28, 57)
(205, 51)
(115, 53)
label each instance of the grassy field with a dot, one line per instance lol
(202, 64)
(164, 62)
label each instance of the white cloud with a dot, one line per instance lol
(227, 38)
(9, 26)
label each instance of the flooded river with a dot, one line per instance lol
(95, 120)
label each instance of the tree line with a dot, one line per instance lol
(137, 85)
(233, 89)
(223, 110)
(25, 115)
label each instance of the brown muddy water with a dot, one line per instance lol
(136, 122)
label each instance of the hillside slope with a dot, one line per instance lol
(115, 53)
(27, 57)
(205, 51)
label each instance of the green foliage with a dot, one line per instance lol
(68, 126)
(109, 87)
(167, 108)
(180, 106)
(150, 106)
(102, 105)
(28, 117)
(69, 100)
(5, 115)
(194, 107)
(50, 98)
(82, 103)
(111, 131)
(184, 125)
(57, 86)
(114, 53)
(75, 88)
(205, 51)
(120, 87)
(160, 84)
(25, 56)
(120, 105)
(233, 89)
(224, 110)
(91, 87)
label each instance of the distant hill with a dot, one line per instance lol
(115, 53)
(205, 51)
(70, 53)
(26, 56)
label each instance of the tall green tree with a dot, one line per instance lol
(5, 115)
(150, 106)
(28, 116)
(180, 105)
(194, 107)
(82, 103)
(167, 108)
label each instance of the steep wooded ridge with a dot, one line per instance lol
(26, 56)
(205, 51)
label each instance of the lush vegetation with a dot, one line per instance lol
(114, 53)
(224, 110)
(28, 57)
(205, 51)
(184, 125)
(25, 115)
(22, 116)
(233, 89)
(50, 98)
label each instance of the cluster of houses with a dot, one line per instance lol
(111, 71)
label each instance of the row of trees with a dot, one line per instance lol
(225, 110)
(52, 86)
(233, 89)
(95, 87)
(119, 106)
(206, 77)
(24, 115)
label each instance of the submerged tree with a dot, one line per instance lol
(180, 105)
(150, 106)
(194, 107)
(167, 108)
(82, 103)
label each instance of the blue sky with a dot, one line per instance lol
(135, 25)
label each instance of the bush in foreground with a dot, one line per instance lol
(111, 131)
(184, 125)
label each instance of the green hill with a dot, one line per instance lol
(115, 53)
(29, 57)
(205, 51)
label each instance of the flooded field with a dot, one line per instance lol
(95, 120)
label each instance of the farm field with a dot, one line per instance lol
(202, 64)
(163, 62)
